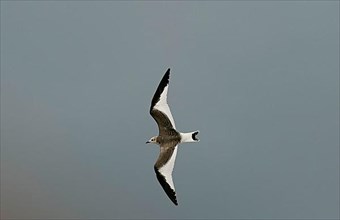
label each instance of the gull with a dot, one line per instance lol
(168, 137)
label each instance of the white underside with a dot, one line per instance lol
(167, 169)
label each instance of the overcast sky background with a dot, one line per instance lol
(259, 79)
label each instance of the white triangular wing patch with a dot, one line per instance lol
(167, 169)
(162, 105)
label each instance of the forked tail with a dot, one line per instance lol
(190, 137)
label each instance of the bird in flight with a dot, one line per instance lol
(168, 138)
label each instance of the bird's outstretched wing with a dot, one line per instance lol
(160, 109)
(164, 167)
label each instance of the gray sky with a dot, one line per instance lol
(259, 79)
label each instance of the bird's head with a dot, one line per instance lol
(152, 140)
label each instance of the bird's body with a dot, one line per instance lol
(168, 138)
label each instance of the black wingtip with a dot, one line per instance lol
(166, 75)
(171, 194)
(163, 83)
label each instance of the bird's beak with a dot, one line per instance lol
(147, 142)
